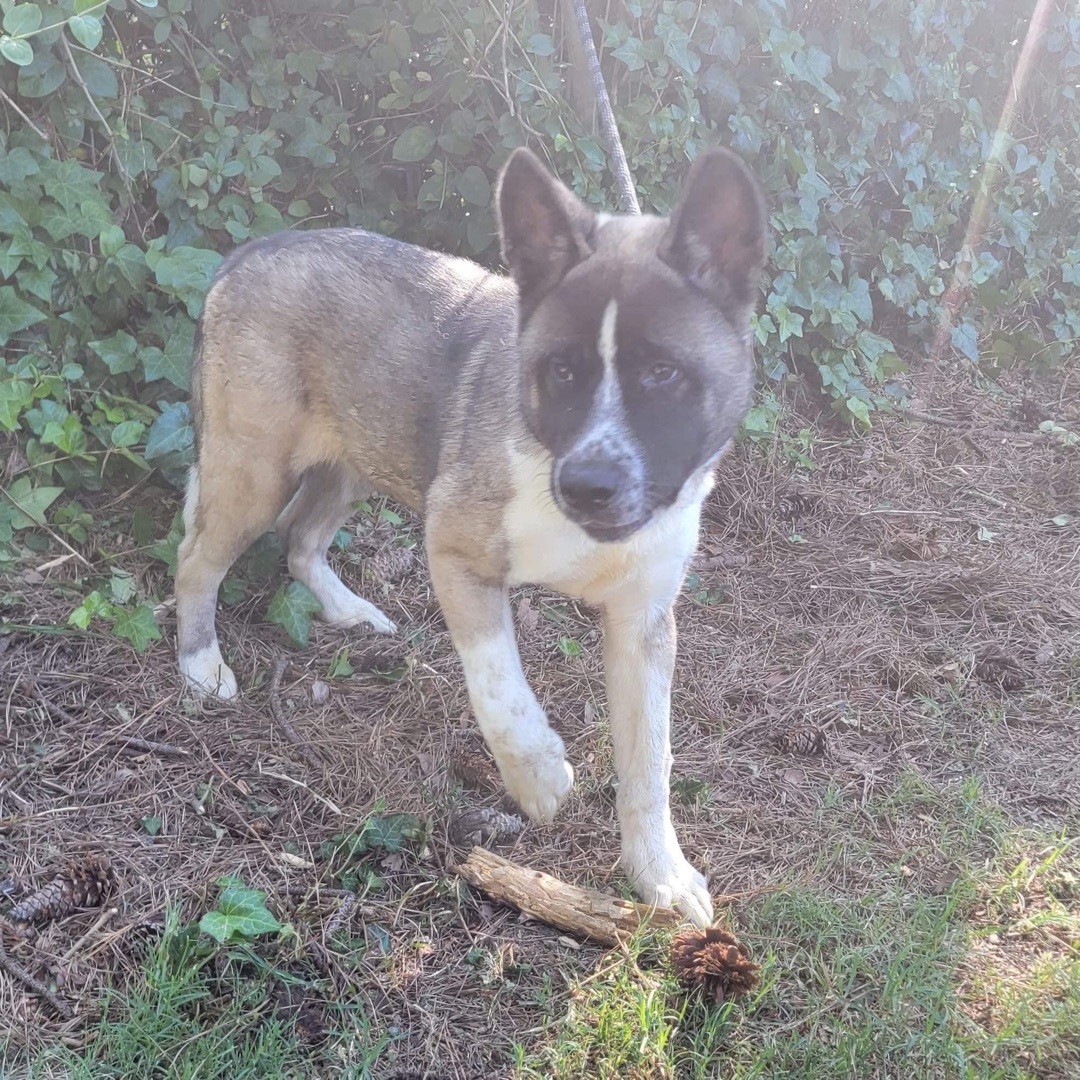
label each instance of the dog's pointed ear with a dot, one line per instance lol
(716, 236)
(543, 227)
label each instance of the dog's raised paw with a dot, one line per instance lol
(207, 675)
(538, 781)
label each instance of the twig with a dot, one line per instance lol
(969, 428)
(333, 807)
(17, 971)
(35, 692)
(133, 742)
(77, 75)
(280, 667)
(102, 919)
(29, 123)
(53, 563)
(314, 887)
(55, 535)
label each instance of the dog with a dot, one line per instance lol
(559, 426)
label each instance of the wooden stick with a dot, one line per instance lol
(102, 919)
(278, 713)
(133, 742)
(17, 971)
(585, 912)
(34, 691)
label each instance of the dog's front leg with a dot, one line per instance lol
(530, 755)
(639, 656)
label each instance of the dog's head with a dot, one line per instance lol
(635, 334)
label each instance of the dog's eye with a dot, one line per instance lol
(561, 372)
(660, 375)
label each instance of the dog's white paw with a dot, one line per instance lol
(357, 612)
(537, 776)
(207, 674)
(661, 876)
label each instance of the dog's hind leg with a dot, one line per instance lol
(307, 528)
(228, 506)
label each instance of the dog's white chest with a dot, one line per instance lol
(546, 548)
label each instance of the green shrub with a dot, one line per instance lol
(144, 138)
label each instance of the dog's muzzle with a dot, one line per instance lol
(600, 495)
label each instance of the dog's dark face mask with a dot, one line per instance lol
(634, 334)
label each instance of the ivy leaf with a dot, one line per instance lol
(15, 395)
(241, 914)
(94, 605)
(474, 186)
(22, 19)
(117, 352)
(86, 29)
(541, 45)
(128, 432)
(414, 143)
(392, 832)
(16, 50)
(122, 586)
(30, 503)
(292, 608)
(171, 431)
(15, 314)
(137, 626)
(632, 53)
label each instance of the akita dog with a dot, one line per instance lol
(557, 427)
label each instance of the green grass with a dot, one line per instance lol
(894, 971)
(882, 981)
(204, 1014)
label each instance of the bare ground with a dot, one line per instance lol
(882, 599)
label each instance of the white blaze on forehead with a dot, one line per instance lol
(606, 343)
(607, 408)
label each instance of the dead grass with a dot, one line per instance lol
(915, 552)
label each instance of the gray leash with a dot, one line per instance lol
(627, 196)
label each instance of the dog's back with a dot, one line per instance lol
(341, 345)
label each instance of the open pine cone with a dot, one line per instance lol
(393, 563)
(83, 884)
(808, 741)
(1000, 669)
(715, 961)
(484, 826)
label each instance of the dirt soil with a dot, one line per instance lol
(910, 605)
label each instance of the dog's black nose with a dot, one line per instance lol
(590, 485)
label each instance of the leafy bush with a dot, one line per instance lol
(144, 138)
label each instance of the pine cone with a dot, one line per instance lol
(916, 547)
(793, 506)
(999, 669)
(393, 563)
(908, 678)
(473, 769)
(483, 826)
(801, 740)
(715, 961)
(84, 884)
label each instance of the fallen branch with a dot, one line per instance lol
(133, 742)
(585, 912)
(19, 973)
(280, 667)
